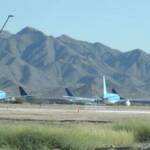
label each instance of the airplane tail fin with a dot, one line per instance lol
(22, 91)
(104, 86)
(114, 91)
(68, 92)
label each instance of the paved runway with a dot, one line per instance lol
(71, 113)
(76, 109)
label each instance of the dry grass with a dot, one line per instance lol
(36, 127)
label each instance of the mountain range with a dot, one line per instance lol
(45, 65)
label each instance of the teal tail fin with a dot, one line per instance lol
(104, 86)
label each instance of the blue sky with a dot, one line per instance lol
(120, 24)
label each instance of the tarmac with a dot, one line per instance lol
(83, 113)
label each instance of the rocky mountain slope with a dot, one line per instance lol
(45, 65)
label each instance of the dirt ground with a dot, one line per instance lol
(71, 113)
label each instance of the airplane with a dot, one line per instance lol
(25, 96)
(114, 97)
(38, 99)
(79, 100)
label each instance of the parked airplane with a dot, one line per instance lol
(74, 99)
(114, 97)
(26, 96)
(41, 99)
